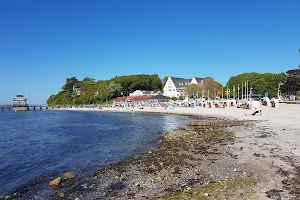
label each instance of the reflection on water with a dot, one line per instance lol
(170, 122)
(35, 144)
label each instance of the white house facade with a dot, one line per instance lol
(143, 93)
(175, 86)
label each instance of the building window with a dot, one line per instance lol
(173, 89)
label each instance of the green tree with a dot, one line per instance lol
(89, 81)
(211, 87)
(164, 81)
(113, 89)
(70, 82)
(258, 83)
(192, 89)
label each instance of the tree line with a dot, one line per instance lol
(90, 91)
(258, 83)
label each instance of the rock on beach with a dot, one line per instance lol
(55, 182)
(68, 175)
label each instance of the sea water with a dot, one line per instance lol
(43, 144)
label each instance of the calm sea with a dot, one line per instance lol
(37, 144)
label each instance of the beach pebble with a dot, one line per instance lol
(7, 197)
(60, 195)
(158, 178)
(205, 194)
(68, 175)
(55, 182)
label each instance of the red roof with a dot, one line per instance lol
(133, 98)
(295, 71)
(120, 99)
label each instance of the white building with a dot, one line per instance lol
(175, 86)
(142, 93)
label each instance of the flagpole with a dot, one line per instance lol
(227, 92)
(242, 91)
(238, 91)
(222, 92)
(215, 92)
(234, 92)
(247, 90)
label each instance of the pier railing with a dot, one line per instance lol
(28, 106)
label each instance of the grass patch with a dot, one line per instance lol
(236, 188)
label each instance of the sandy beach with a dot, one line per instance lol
(270, 147)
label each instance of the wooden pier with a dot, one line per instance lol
(20, 104)
(23, 107)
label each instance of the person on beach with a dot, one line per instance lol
(255, 106)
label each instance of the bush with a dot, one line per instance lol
(174, 98)
(181, 98)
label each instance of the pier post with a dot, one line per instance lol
(34, 108)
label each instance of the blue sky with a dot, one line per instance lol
(44, 42)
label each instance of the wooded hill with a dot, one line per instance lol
(89, 91)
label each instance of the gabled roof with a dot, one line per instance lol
(199, 79)
(176, 81)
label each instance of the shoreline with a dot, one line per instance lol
(271, 145)
(268, 147)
